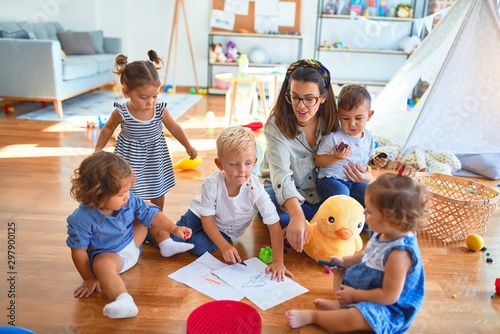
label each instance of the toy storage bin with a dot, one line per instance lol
(459, 207)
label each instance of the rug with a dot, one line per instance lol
(88, 107)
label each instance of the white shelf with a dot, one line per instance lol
(377, 18)
(393, 52)
(369, 51)
(254, 35)
(279, 49)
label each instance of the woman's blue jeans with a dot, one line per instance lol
(330, 186)
(308, 209)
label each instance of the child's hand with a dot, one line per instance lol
(230, 254)
(345, 295)
(182, 232)
(278, 270)
(341, 155)
(379, 162)
(339, 260)
(87, 288)
(191, 151)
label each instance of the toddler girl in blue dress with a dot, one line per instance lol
(383, 286)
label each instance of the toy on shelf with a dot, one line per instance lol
(258, 56)
(232, 52)
(404, 11)
(187, 163)
(410, 43)
(216, 54)
(202, 91)
(266, 254)
(335, 229)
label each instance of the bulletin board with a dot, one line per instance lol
(247, 22)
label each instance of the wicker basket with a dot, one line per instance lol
(459, 206)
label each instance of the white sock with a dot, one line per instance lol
(169, 247)
(122, 307)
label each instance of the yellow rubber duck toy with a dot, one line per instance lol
(187, 163)
(335, 229)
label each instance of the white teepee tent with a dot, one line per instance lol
(460, 110)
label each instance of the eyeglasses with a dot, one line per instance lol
(309, 101)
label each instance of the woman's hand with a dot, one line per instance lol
(296, 232)
(356, 173)
(87, 288)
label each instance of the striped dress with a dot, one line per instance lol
(143, 145)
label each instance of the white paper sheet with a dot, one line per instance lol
(198, 275)
(239, 7)
(253, 282)
(286, 16)
(222, 20)
(266, 7)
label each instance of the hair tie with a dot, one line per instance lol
(309, 63)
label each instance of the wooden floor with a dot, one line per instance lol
(36, 162)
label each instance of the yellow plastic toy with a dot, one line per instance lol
(187, 163)
(474, 242)
(335, 229)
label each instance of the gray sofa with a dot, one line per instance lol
(34, 68)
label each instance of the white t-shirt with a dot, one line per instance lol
(361, 151)
(233, 215)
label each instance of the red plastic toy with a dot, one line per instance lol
(497, 286)
(254, 126)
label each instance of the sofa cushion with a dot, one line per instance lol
(97, 38)
(45, 30)
(75, 67)
(21, 34)
(105, 62)
(76, 43)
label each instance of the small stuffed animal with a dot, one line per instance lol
(216, 54)
(410, 44)
(335, 228)
(232, 52)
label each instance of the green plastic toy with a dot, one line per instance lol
(266, 254)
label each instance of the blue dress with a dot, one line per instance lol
(369, 274)
(143, 145)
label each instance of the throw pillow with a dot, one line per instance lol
(484, 164)
(76, 43)
(20, 34)
(97, 38)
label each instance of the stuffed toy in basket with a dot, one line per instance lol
(335, 229)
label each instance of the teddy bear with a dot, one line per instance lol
(216, 54)
(232, 52)
(335, 229)
(409, 44)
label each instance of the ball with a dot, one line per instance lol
(258, 56)
(474, 242)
